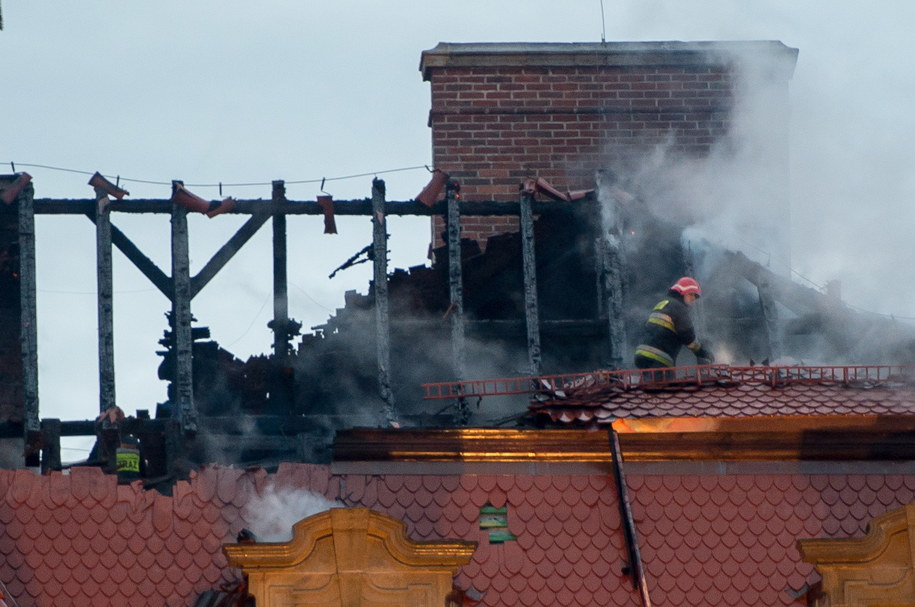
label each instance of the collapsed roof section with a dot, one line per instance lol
(568, 293)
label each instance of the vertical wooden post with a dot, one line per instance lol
(770, 317)
(50, 445)
(28, 319)
(456, 293)
(698, 311)
(280, 386)
(531, 307)
(608, 249)
(176, 463)
(184, 408)
(280, 287)
(104, 282)
(382, 314)
(616, 327)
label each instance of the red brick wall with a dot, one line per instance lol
(492, 127)
(501, 113)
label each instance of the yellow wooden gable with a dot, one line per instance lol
(350, 557)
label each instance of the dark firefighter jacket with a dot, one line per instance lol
(668, 327)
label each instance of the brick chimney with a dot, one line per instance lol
(560, 111)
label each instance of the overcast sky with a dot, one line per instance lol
(241, 92)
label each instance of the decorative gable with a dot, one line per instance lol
(873, 571)
(350, 557)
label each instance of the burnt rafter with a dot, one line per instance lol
(783, 290)
(74, 206)
(161, 280)
(260, 211)
(382, 373)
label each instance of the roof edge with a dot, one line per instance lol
(774, 438)
(602, 54)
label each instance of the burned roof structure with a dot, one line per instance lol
(560, 288)
(329, 379)
(452, 409)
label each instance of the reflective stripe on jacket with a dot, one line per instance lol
(660, 356)
(668, 328)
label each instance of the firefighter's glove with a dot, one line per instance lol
(704, 356)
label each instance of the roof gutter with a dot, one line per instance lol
(759, 438)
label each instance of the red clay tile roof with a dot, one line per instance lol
(705, 539)
(711, 540)
(735, 394)
(81, 539)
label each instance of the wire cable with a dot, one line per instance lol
(253, 320)
(217, 184)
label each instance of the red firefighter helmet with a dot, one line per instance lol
(687, 285)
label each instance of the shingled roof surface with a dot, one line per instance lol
(712, 540)
(769, 391)
(81, 539)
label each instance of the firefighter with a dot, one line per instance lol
(669, 327)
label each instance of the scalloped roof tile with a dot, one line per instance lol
(726, 538)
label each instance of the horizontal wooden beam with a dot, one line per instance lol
(72, 206)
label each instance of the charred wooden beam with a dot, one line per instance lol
(280, 287)
(56, 206)
(183, 396)
(50, 445)
(227, 251)
(280, 391)
(770, 318)
(456, 293)
(800, 300)
(143, 263)
(529, 264)
(382, 316)
(609, 267)
(161, 281)
(105, 302)
(698, 313)
(176, 460)
(29, 311)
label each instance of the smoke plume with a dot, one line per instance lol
(272, 515)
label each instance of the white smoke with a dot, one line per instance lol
(272, 515)
(736, 197)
